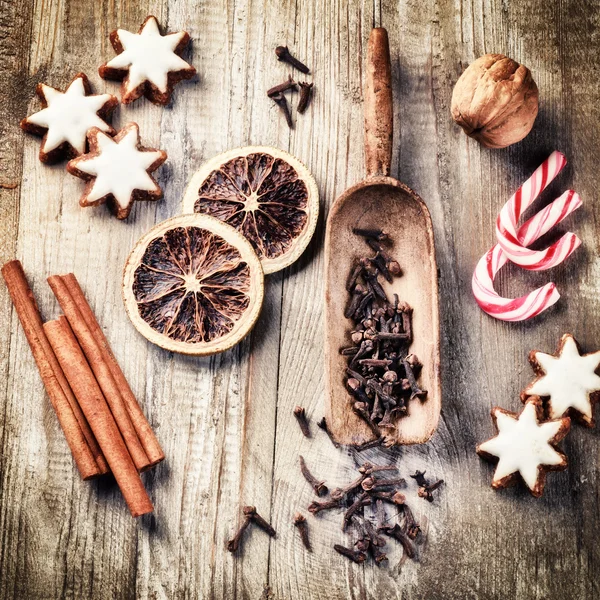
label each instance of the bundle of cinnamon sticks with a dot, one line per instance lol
(100, 417)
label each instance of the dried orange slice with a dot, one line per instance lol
(266, 194)
(193, 284)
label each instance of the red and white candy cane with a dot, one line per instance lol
(508, 219)
(532, 304)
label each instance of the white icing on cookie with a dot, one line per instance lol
(148, 55)
(569, 380)
(522, 445)
(119, 168)
(69, 116)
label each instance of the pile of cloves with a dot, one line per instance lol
(381, 375)
(277, 92)
(370, 488)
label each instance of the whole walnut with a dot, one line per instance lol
(495, 101)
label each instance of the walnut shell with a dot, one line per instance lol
(495, 101)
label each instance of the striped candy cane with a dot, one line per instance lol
(532, 304)
(506, 224)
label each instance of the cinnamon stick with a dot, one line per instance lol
(101, 371)
(84, 447)
(141, 425)
(94, 406)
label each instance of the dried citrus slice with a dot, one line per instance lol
(193, 284)
(266, 194)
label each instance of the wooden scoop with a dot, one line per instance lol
(385, 203)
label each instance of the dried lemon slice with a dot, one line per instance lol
(194, 285)
(266, 194)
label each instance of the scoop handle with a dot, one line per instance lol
(379, 111)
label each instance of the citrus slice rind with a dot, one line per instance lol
(194, 285)
(267, 194)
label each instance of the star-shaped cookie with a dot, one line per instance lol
(118, 170)
(147, 62)
(524, 447)
(567, 379)
(67, 116)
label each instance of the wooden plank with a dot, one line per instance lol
(222, 456)
(77, 554)
(15, 33)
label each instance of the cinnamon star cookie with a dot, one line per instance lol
(67, 116)
(568, 379)
(118, 170)
(147, 62)
(525, 448)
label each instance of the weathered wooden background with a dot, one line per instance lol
(226, 423)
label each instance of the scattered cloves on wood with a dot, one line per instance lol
(363, 491)
(318, 486)
(284, 55)
(356, 556)
(302, 526)
(281, 101)
(300, 415)
(305, 95)
(250, 513)
(290, 84)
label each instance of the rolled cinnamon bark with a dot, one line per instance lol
(94, 406)
(84, 447)
(142, 427)
(101, 371)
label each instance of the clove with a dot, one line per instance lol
(376, 485)
(305, 96)
(234, 544)
(416, 391)
(374, 234)
(302, 526)
(300, 415)
(290, 84)
(250, 513)
(374, 537)
(356, 556)
(316, 507)
(399, 535)
(284, 55)
(393, 497)
(425, 490)
(361, 500)
(370, 444)
(411, 526)
(318, 486)
(280, 100)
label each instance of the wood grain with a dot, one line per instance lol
(226, 423)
